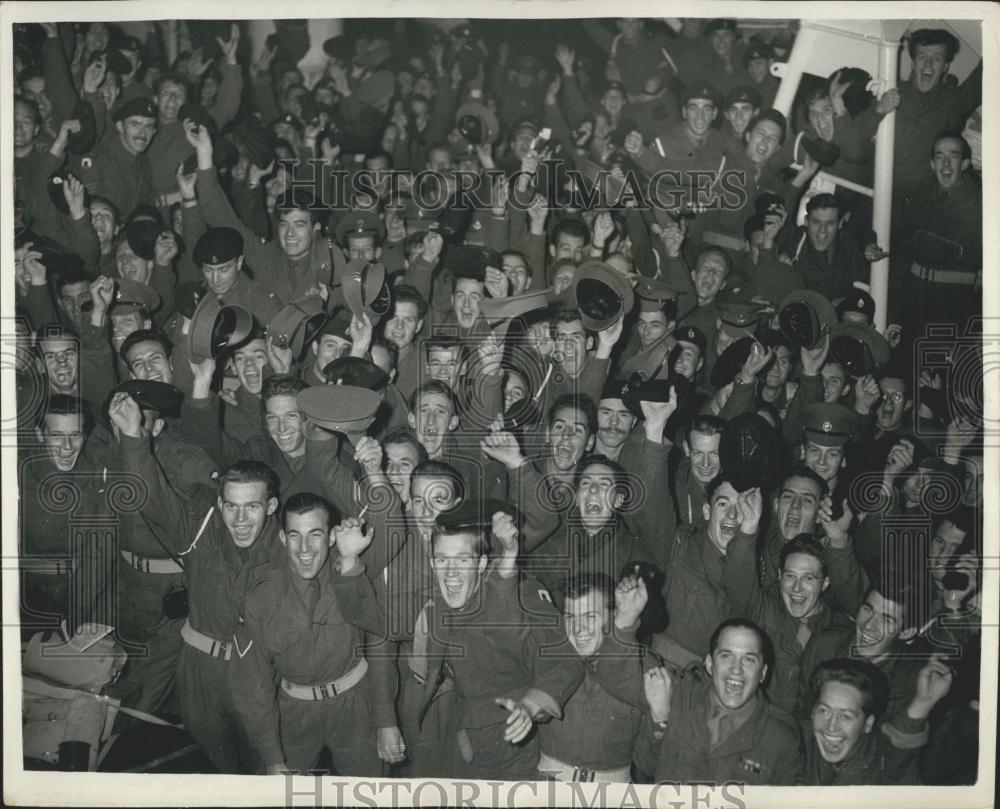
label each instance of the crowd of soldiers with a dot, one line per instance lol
(526, 489)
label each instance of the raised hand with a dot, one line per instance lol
(503, 447)
(749, 509)
(673, 238)
(565, 56)
(93, 76)
(368, 453)
(933, 683)
(604, 228)
(126, 416)
(351, 541)
(186, 183)
(280, 357)
(888, 101)
(490, 353)
(505, 530)
(497, 284)
(866, 394)
(229, 48)
(75, 195)
(756, 362)
(836, 530)
(657, 687)
(658, 413)
(900, 457)
(631, 596)
(166, 249)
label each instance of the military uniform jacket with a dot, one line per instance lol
(279, 637)
(500, 645)
(767, 609)
(695, 598)
(603, 719)
(120, 176)
(217, 573)
(764, 750)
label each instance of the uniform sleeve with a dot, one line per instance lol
(619, 669)
(218, 212)
(789, 763)
(809, 391)
(227, 100)
(739, 578)
(654, 518)
(527, 488)
(252, 681)
(848, 582)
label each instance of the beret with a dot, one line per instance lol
(138, 107)
(730, 361)
(656, 390)
(690, 334)
(152, 395)
(857, 301)
(743, 95)
(719, 25)
(701, 90)
(757, 50)
(217, 246)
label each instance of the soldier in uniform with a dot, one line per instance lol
(303, 626)
(120, 170)
(219, 254)
(846, 745)
(757, 60)
(720, 727)
(227, 541)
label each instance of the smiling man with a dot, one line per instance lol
(219, 254)
(304, 625)
(848, 745)
(720, 727)
(120, 169)
(227, 539)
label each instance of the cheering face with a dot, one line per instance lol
(148, 360)
(73, 299)
(571, 346)
(63, 438)
(434, 418)
(250, 361)
(286, 424)
(737, 666)
(517, 273)
(879, 623)
(221, 278)
(710, 275)
(614, 423)
(703, 450)
(429, 497)
(894, 404)
(442, 364)
(25, 127)
(295, 232)
(834, 382)
(327, 348)
(739, 115)
(947, 162)
(130, 265)
(838, 721)
(62, 363)
(124, 325)
(758, 69)
(929, 66)
(722, 42)
(34, 90)
(613, 102)
(169, 100)
(136, 133)
(947, 539)
(723, 519)
(765, 139)
(457, 568)
(650, 327)
(515, 389)
(587, 619)
(796, 507)
(597, 496)
(568, 246)
(824, 461)
(781, 366)
(400, 460)
(465, 301)
(822, 225)
(405, 322)
(307, 539)
(699, 114)
(802, 584)
(102, 217)
(688, 360)
(568, 438)
(821, 118)
(563, 279)
(245, 508)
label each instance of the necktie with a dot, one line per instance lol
(804, 633)
(312, 598)
(720, 726)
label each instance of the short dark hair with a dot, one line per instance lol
(583, 583)
(72, 273)
(172, 77)
(713, 486)
(280, 385)
(774, 117)
(871, 683)
(803, 471)
(741, 623)
(296, 200)
(934, 36)
(576, 401)
(621, 477)
(439, 469)
(245, 471)
(520, 255)
(481, 537)
(32, 107)
(822, 201)
(62, 404)
(897, 371)
(303, 503)
(808, 546)
(953, 134)
(902, 588)
(145, 336)
(405, 293)
(431, 387)
(706, 424)
(571, 227)
(404, 435)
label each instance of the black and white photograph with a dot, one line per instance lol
(512, 405)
